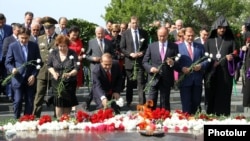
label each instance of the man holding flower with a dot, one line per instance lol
(20, 61)
(191, 75)
(159, 64)
(134, 43)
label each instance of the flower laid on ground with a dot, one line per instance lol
(31, 62)
(44, 119)
(149, 84)
(27, 118)
(207, 57)
(135, 65)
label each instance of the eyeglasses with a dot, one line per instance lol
(115, 31)
(35, 29)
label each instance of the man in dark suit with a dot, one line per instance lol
(160, 53)
(179, 26)
(203, 35)
(23, 82)
(96, 48)
(191, 85)
(7, 41)
(107, 80)
(46, 43)
(35, 31)
(5, 31)
(134, 43)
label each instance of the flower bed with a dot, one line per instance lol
(144, 119)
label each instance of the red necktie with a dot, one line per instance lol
(190, 52)
(109, 75)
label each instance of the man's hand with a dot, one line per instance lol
(229, 57)
(116, 95)
(154, 70)
(185, 70)
(197, 67)
(104, 103)
(133, 55)
(31, 80)
(170, 62)
(97, 59)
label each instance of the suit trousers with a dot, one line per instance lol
(164, 89)
(140, 86)
(26, 92)
(191, 98)
(41, 91)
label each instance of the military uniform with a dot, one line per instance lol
(46, 45)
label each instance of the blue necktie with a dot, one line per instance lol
(1, 34)
(25, 52)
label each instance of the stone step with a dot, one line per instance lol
(82, 93)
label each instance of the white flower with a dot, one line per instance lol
(206, 54)
(38, 67)
(211, 55)
(84, 56)
(50, 50)
(38, 60)
(142, 39)
(78, 63)
(178, 55)
(71, 57)
(209, 60)
(120, 102)
(177, 58)
(82, 50)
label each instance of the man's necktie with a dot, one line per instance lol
(1, 34)
(101, 46)
(136, 42)
(109, 75)
(49, 40)
(190, 52)
(25, 52)
(162, 52)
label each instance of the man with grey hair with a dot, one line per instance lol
(179, 26)
(35, 31)
(96, 48)
(61, 29)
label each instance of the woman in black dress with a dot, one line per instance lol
(63, 65)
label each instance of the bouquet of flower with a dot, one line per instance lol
(149, 84)
(183, 76)
(31, 62)
(135, 65)
(116, 104)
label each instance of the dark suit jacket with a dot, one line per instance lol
(198, 40)
(127, 46)
(95, 51)
(7, 32)
(152, 58)
(7, 41)
(185, 61)
(174, 33)
(15, 59)
(101, 84)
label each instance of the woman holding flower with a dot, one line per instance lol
(21, 62)
(63, 65)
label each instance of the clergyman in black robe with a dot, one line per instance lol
(219, 76)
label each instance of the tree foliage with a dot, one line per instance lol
(194, 13)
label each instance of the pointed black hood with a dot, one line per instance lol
(221, 22)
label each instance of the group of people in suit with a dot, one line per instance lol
(141, 57)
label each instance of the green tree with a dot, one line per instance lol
(194, 13)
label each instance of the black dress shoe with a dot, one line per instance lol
(116, 108)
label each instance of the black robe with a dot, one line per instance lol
(246, 86)
(218, 92)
